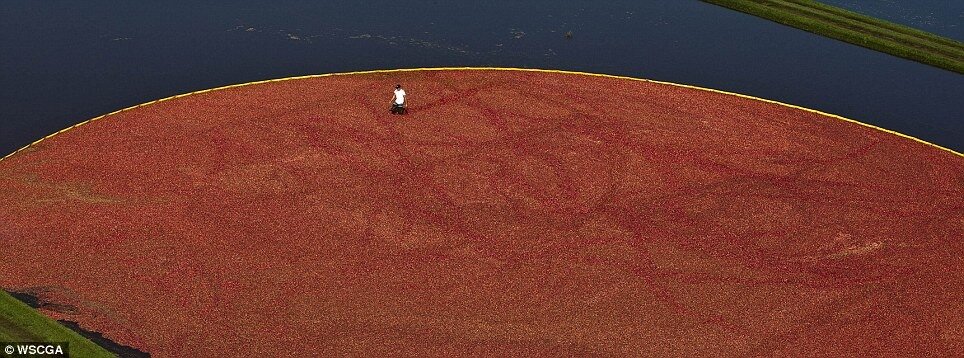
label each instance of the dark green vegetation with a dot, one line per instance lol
(20, 323)
(848, 26)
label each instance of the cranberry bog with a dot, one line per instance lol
(510, 212)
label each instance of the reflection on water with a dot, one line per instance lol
(63, 62)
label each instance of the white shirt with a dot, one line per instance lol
(399, 96)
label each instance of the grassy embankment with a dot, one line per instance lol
(20, 323)
(862, 30)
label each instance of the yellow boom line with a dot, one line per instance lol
(489, 69)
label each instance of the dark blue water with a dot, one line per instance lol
(62, 62)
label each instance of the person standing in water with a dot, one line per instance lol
(398, 100)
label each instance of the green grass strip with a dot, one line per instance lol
(858, 29)
(21, 323)
(878, 22)
(905, 37)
